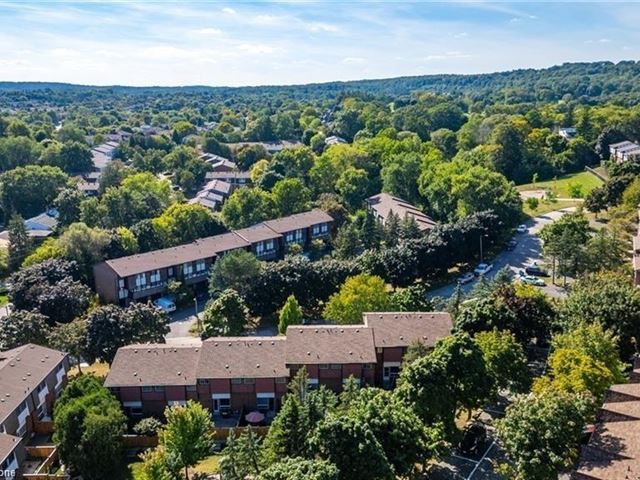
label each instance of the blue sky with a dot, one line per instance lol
(257, 43)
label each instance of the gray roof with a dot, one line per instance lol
(22, 369)
(299, 220)
(8, 444)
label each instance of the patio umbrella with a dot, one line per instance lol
(254, 417)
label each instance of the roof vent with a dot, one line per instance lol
(135, 374)
(226, 366)
(401, 337)
(257, 365)
(229, 344)
(350, 353)
(179, 373)
(357, 330)
(259, 343)
(308, 353)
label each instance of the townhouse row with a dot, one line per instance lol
(146, 275)
(31, 379)
(235, 374)
(635, 260)
(613, 450)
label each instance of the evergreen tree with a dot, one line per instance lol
(288, 433)
(19, 242)
(291, 314)
(392, 230)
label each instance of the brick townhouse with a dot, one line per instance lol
(146, 275)
(229, 374)
(613, 451)
(31, 379)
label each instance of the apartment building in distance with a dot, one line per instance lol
(31, 379)
(146, 275)
(624, 151)
(381, 206)
(235, 374)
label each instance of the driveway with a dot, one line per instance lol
(529, 249)
(181, 322)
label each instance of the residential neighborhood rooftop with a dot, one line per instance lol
(384, 204)
(22, 369)
(157, 364)
(243, 357)
(399, 329)
(330, 344)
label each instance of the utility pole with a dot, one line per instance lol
(195, 300)
(481, 256)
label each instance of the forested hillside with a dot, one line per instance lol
(587, 82)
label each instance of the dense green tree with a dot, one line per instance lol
(184, 223)
(225, 316)
(71, 338)
(30, 190)
(541, 434)
(110, 327)
(21, 327)
(234, 270)
(353, 186)
(300, 469)
(75, 157)
(246, 207)
(186, 437)
(359, 294)
(68, 205)
(287, 435)
(505, 360)
(609, 299)
(290, 196)
(352, 447)
(89, 425)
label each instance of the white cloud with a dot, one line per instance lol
(229, 11)
(256, 48)
(322, 27)
(354, 60)
(207, 32)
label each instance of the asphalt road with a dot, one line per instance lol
(528, 250)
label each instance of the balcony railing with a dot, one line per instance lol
(201, 273)
(149, 286)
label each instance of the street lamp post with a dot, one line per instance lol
(195, 300)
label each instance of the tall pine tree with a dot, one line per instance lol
(19, 242)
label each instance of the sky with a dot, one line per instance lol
(235, 43)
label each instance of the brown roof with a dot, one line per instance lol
(299, 220)
(329, 344)
(157, 364)
(167, 257)
(630, 409)
(224, 175)
(8, 444)
(629, 389)
(243, 357)
(396, 329)
(383, 204)
(21, 371)
(257, 233)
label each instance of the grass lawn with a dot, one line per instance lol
(98, 369)
(208, 465)
(4, 299)
(546, 207)
(560, 186)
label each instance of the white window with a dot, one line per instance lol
(203, 381)
(170, 272)
(155, 276)
(121, 282)
(147, 389)
(141, 280)
(324, 366)
(281, 380)
(158, 389)
(201, 266)
(187, 268)
(248, 381)
(236, 381)
(263, 403)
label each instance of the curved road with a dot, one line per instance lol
(529, 249)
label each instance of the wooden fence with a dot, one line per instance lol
(219, 435)
(45, 427)
(50, 455)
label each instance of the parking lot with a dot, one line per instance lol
(478, 466)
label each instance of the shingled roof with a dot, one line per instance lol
(298, 220)
(156, 364)
(400, 329)
(22, 369)
(329, 344)
(243, 357)
(8, 444)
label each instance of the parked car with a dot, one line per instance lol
(536, 270)
(522, 228)
(531, 280)
(466, 278)
(483, 268)
(512, 244)
(166, 304)
(474, 436)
